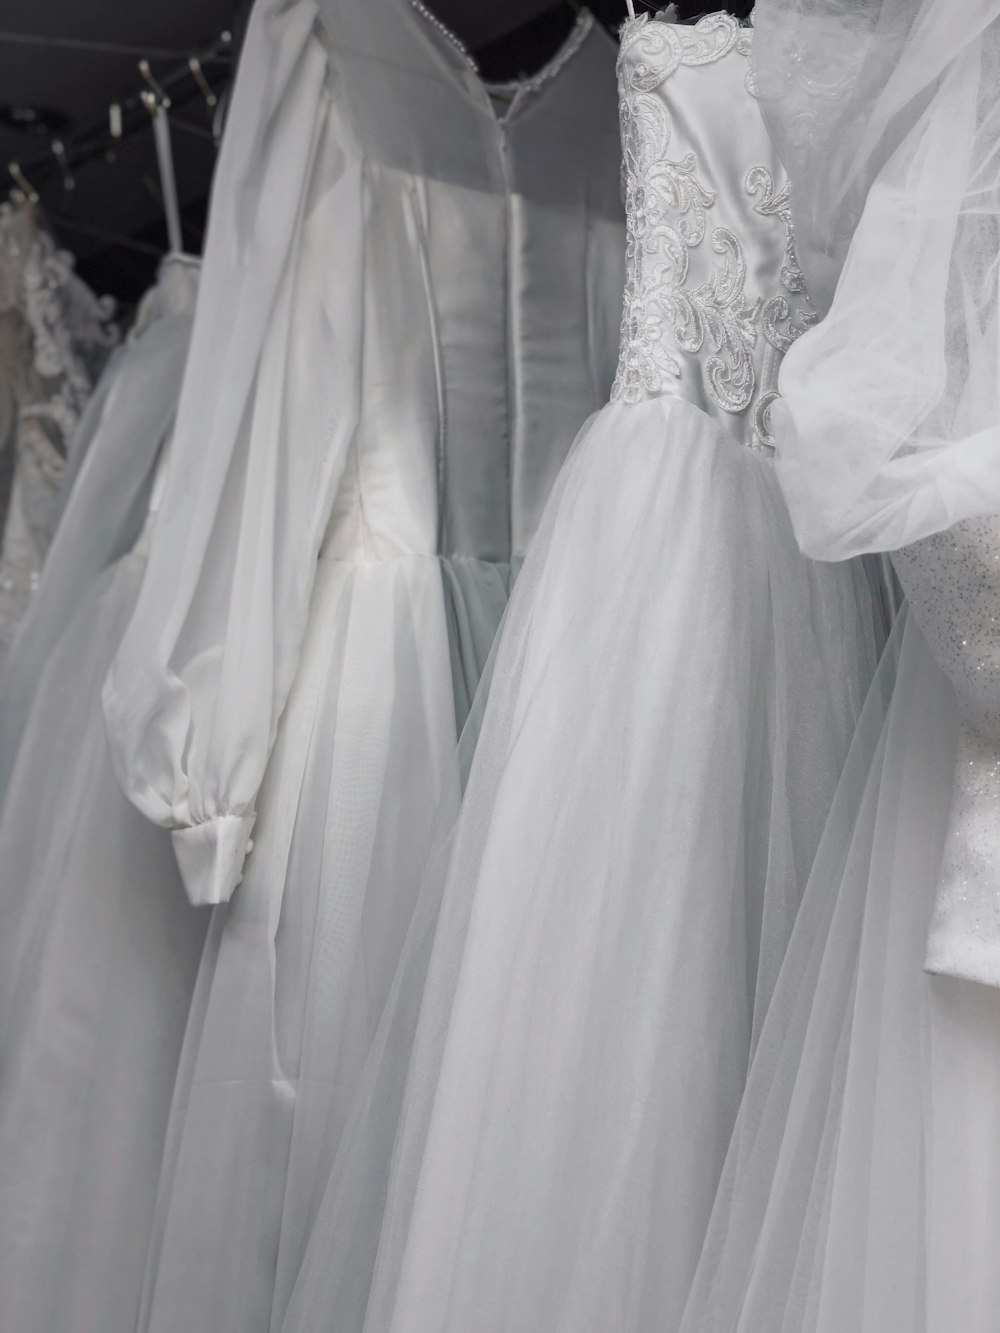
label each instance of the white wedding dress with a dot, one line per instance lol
(410, 301)
(861, 1192)
(672, 698)
(98, 944)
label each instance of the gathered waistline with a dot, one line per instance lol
(728, 437)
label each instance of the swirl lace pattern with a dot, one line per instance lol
(668, 212)
(786, 315)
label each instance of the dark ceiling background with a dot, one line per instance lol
(63, 63)
(60, 85)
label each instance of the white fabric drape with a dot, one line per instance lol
(194, 696)
(889, 424)
(886, 114)
(106, 490)
(99, 947)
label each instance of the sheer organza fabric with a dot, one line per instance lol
(886, 116)
(107, 488)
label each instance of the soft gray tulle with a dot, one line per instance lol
(599, 933)
(100, 953)
(862, 1188)
(105, 510)
(98, 945)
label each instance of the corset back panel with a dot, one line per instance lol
(489, 325)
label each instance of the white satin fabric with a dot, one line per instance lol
(98, 945)
(409, 306)
(541, 1124)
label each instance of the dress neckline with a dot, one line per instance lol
(511, 91)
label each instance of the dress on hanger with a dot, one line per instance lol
(861, 1192)
(410, 303)
(55, 336)
(98, 945)
(673, 693)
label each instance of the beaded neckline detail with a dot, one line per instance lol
(452, 38)
(514, 87)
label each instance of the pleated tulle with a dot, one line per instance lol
(99, 951)
(298, 966)
(672, 697)
(862, 1189)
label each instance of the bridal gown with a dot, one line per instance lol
(672, 697)
(410, 301)
(55, 336)
(98, 945)
(862, 1188)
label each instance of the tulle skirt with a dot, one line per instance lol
(99, 951)
(671, 700)
(298, 965)
(862, 1189)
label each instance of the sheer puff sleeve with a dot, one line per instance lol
(268, 410)
(887, 116)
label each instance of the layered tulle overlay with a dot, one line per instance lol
(298, 966)
(862, 1188)
(99, 947)
(100, 951)
(671, 699)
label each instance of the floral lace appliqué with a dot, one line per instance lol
(668, 217)
(666, 208)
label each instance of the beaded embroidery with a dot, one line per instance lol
(667, 217)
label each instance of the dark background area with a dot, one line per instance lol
(63, 64)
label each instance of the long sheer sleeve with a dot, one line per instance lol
(952, 582)
(195, 693)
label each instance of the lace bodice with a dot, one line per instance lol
(69, 329)
(55, 336)
(714, 295)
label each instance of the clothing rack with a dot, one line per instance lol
(184, 82)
